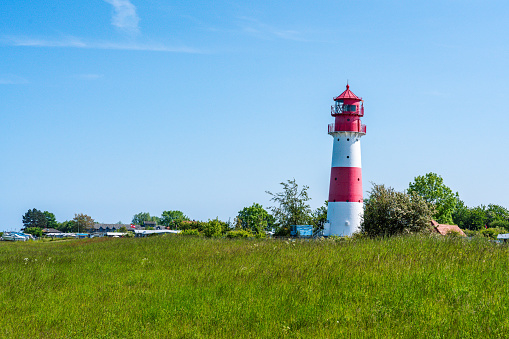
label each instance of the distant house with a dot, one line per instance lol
(105, 228)
(149, 224)
(443, 229)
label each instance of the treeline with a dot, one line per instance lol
(387, 212)
(291, 208)
(34, 221)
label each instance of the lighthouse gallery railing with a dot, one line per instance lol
(361, 128)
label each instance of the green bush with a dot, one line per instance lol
(189, 225)
(500, 224)
(239, 234)
(492, 233)
(190, 232)
(388, 212)
(213, 228)
(35, 231)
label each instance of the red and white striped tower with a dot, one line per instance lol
(345, 191)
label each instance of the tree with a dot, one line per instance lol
(83, 222)
(214, 228)
(171, 218)
(319, 216)
(497, 213)
(35, 231)
(432, 188)
(51, 222)
(255, 218)
(141, 217)
(293, 208)
(68, 226)
(34, 218)
(388, 212)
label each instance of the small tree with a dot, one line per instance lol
(432, 188)
(255, 219)
(293, 208)
(82, 222)
(388, 212)
(172, 218)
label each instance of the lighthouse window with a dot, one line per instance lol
(349, 108)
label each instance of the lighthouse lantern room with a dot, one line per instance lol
(345, 207)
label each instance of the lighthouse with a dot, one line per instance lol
(345, 191)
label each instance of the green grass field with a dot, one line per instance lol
(190, 287)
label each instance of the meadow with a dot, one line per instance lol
(194, 287)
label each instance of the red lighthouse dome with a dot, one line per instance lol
(347, 110)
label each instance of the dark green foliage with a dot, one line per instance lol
(496, 213)
(388, 212)
(255, 219)
(68, 226)
(34, 218)
(35, 231)
(172, 218)
(471, 218)
(479, 217)
(432, 188)
(319, 217)
(292, 207)
(51, 222)
(500, 224)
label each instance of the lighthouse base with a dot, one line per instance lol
(344, 218)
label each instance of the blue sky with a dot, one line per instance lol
(114, 107)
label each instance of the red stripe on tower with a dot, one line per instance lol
(345, 184)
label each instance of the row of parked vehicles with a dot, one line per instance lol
(16, 236)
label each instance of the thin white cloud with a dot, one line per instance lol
(10, 79)
(79, 43)
(125, 17)
(265, 31)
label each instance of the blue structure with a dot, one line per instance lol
(301, 231)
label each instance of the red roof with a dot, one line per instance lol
(347, 95)
(444, 229)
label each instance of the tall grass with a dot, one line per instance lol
(190, 287)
